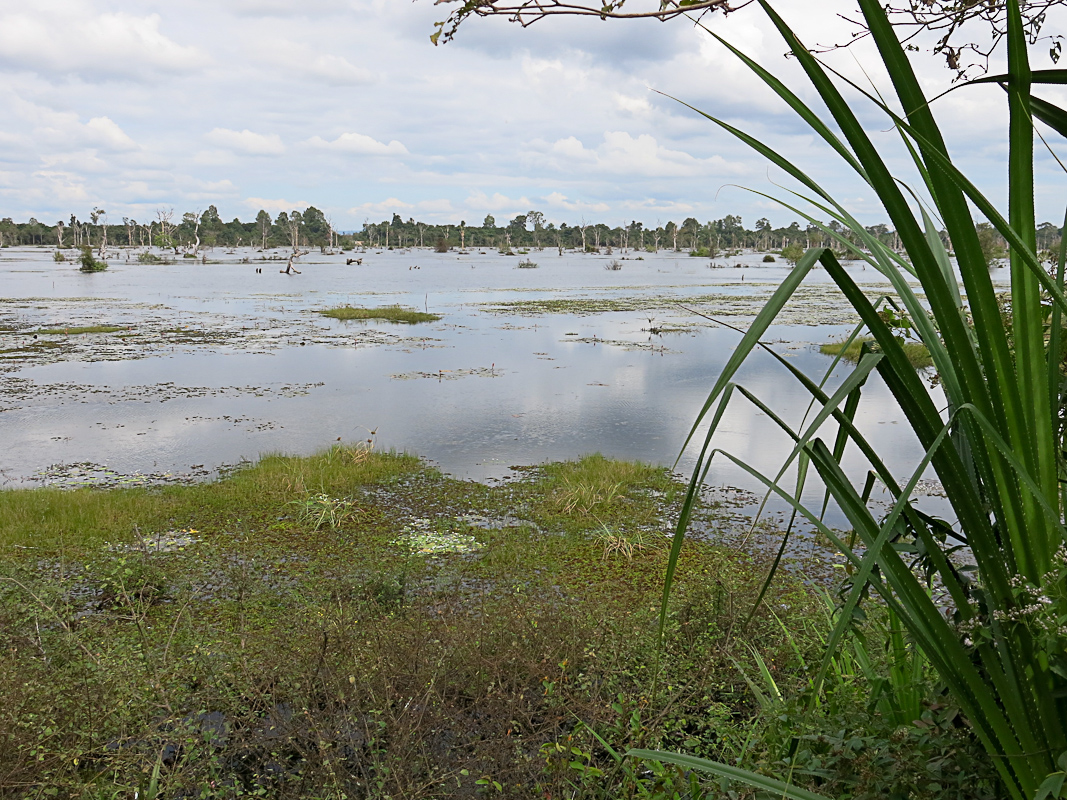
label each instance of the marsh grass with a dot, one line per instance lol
(917, 353)
(263, 656)
(386, 313)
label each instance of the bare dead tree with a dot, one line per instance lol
(164, 216)
(194, 218)
(59, 233)
(99, 216)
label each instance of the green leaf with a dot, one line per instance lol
(779, 788)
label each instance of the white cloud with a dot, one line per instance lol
(309, 62)
(621, 153)
(108, 135)
(635, 106)
(54, 133)
(274, 206)
(651, 205)
(359, 144)
(389, 206)
(60, 40)
(557, 200)
(246, 141)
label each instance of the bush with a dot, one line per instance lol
(441, 246)
(793, 253)
(90, 264)
(58, 257)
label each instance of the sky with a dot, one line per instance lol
(346, 105)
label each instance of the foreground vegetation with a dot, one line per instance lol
(386, 313)
(357, 625)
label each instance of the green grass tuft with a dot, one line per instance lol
(387, 313)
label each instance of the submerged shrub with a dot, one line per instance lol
(88, 263)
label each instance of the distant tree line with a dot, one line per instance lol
(200, 229)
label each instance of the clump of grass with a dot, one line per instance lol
(78, 330)
(594, 491)
(613, 266)
(58, 257)
(322, 509)
(526, 263)
(768, 259)
(627, 543)
(387, 313)
(917, 353)
(148, 258)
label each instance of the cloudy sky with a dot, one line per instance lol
(346, 105)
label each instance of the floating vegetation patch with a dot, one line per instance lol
(79, 330)
(650, 347)
(396, 314)
(25, 392)
(816, 304)
(87, 475)
(917, 353)
(426, 537)
(33, 332)
(449, 374)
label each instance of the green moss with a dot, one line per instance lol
(917, 354)
(387, 313)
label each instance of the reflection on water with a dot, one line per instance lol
(475, 393)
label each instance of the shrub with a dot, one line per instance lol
(88, 263)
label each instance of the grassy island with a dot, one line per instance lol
(386, 313)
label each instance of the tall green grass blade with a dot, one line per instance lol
(776, 787)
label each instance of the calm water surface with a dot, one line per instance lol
(487, 387)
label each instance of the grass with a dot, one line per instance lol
(76, 331)
(917, 353)
(451, 636)
(386, 313)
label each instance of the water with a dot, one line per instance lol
(221, 363)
